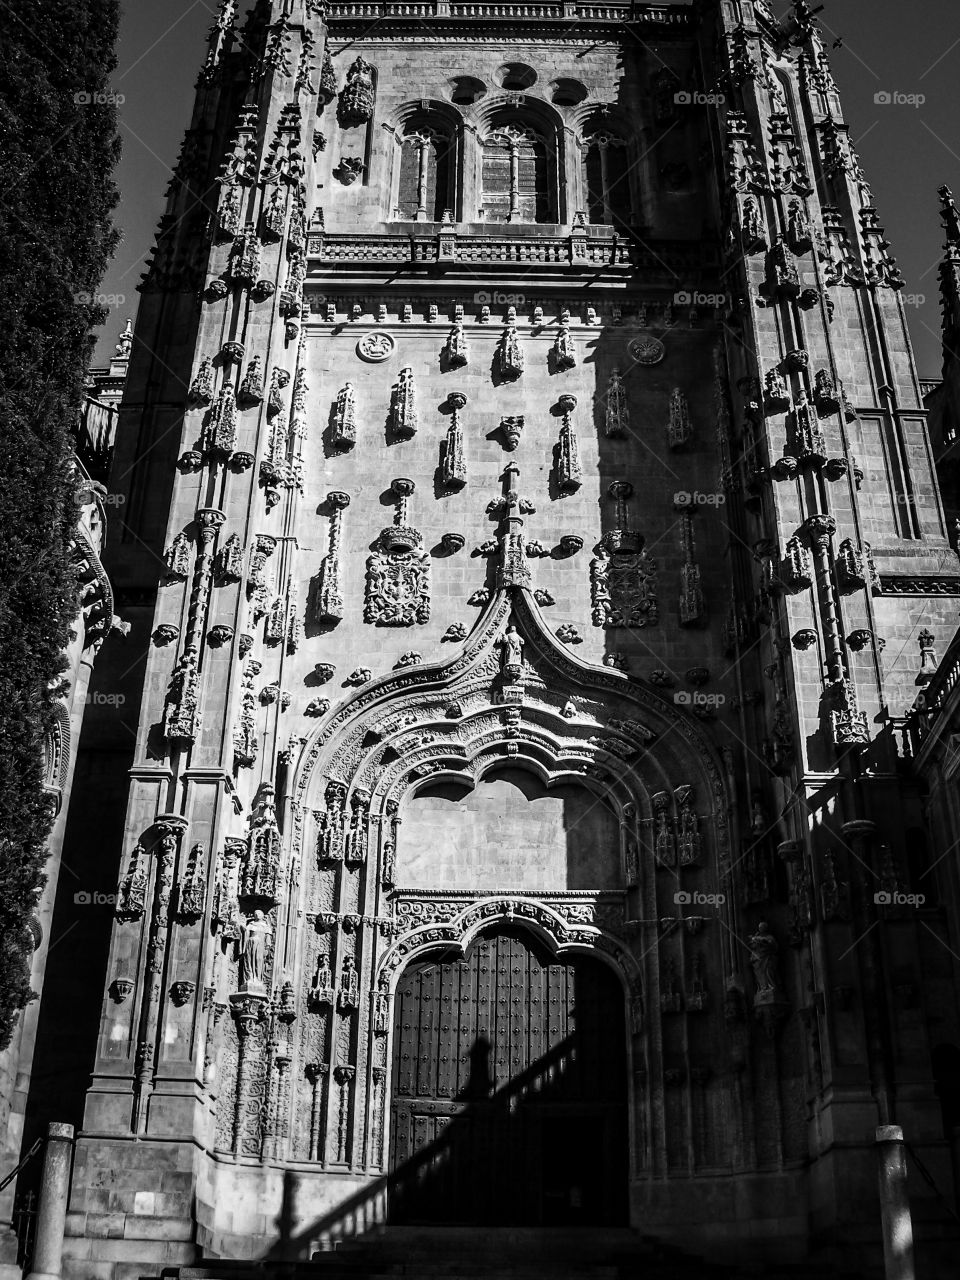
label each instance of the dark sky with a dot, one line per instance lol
(888, 47)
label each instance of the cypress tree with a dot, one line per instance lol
(58, 148)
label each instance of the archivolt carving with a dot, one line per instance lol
(547, 742)
(562, 935)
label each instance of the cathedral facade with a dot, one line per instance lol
(528, 526)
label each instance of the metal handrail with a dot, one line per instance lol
(26, 1160)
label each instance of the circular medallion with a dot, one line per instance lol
(376, 346)
(646, 350)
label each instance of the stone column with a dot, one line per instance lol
(896, 1222)
(52, 1210)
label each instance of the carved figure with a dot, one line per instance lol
(764, 953)
(512, 652)
(253, 938)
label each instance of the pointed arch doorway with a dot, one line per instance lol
(508, 1099)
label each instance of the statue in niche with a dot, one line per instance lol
(511, 654)
(764, 950)
(252, 952)
(321, 988)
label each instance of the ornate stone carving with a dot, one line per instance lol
(376, 346)
(770, 1004)
(855, 569)
(510, 354)
(847, 721)
(457, 352)
(177, 557)
(201, 389)
(622, 577)
(246, 744)
(805, 437)
(331, 823)
(404, 409)
(348, 991)
(132, 890)
(647, 350)
(453, 468)
(398, 572)
(776, 393)
(328, 601)
(181, 992)
(569, 473)
(564, 350)
(795, 571)
(664, 839)
(192, 890)
(753, 231)
(617, 415)
(680, 427)
(260, 864)
(229, 561)
(512, 429)
(783, 279)
(250, 391)
(244, 263)
(253, 952)
(343, 430)
(357, 96)
(692, 607)
(827, 392)
(688, 828)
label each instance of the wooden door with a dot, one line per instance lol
(509, 1095)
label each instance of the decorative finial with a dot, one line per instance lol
(950, 215)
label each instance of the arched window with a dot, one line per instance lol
(606, 178)
(516, 176)
(427, 173)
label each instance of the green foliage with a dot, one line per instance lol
(58, 147)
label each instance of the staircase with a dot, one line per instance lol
(469, 1253)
